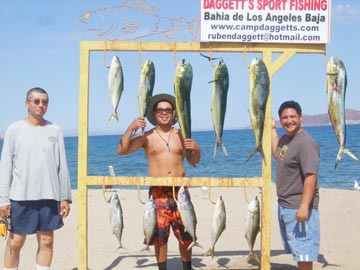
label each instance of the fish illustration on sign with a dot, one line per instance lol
(123, 22)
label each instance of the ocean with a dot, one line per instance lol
(239, 144)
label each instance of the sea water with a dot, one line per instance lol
(239, 144)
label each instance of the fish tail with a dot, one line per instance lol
(215, 149)
(257, 148)
(342, 151)
(252, 255)
(121, 246)
(194, 244)
(348, 152)
(147, 248)
(210, 251)
(222, 145)
(114, 115)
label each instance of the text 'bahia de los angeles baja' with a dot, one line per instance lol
(222, 16)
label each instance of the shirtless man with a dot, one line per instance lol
(164, 148)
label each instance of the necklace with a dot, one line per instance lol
(168, 140)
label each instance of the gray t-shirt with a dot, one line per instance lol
(33, 164)
(295, 156)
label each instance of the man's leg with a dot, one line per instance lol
(305, 265)
(12, 250)
(185, 256)
(45, 248)
(161, 255)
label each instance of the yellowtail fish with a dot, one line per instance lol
(116, 217)
(149, 221)
(115, 85)
(188, 216)
(218, 225)
(182, 89)
(259, 93)
(134, 19)
(336, 81)
(252, 227)
(146, 86)
(218, 103)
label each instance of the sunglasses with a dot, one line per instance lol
(167, 110)
(38, 101)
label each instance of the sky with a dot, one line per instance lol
(40, 47)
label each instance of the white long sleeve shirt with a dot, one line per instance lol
(33, 164)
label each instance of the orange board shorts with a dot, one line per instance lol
(168, 215)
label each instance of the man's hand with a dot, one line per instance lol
(64, 209)
(5, 211)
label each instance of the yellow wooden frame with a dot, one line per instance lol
(286, 51)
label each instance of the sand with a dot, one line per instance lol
(339, 249)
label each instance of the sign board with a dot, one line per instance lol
(266, 21)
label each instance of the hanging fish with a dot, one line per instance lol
(116, 217)
(252, 227)
(115, 85)
(259, 93)
(188, 216)
(218, 225)
(336, 81)
(182, 88)
(146, 86)
(218, 103)
(149, 221)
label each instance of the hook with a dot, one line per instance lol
(245, 61)
(211, 58)
(209, 195)
(174, 56)
(325, 62)
(105, 59)
(139, 197)
(173, 189)
(103, 191)
(139, 57)
(245, 196)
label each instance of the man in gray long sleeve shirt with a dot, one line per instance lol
(34, 181)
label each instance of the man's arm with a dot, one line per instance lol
(193, 155)
(128, 145)
(274, 137)
(309, 187)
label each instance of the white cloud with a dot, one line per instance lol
(345, 12)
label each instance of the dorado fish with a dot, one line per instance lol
(336, 82)
(182, 88)
(149, 221)
(146, 86)
(252, 227)
(259, 93)
(115, 85)
(218, 103)
(116, 217)
(218, 225)
(188, 216)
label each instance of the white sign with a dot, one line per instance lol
(266, 21)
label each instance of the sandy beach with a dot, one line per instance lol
(340, 240)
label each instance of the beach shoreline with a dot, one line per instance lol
(339, 217)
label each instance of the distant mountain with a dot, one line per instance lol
(352, 117)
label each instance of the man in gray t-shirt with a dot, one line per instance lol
(297, 162)
(34, 181)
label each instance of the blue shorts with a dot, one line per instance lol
(28, 217)
(302, 239)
